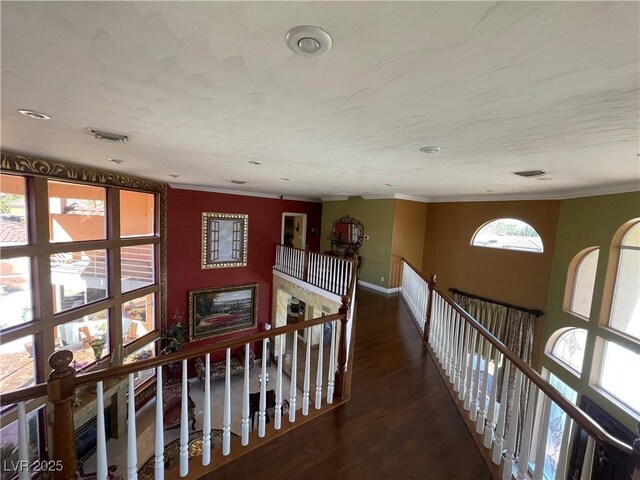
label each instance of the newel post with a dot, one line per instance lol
(427, 324)
(342, 349)
(60, 393)
(636, 455)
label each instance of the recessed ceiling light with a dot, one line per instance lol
(255, 162)
(308, 41)
(431, 149)
(238, 182)
(117, 161)
(285, 179)
(173, 175)
(389, 184)
(33, 114)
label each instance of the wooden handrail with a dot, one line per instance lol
(348, 259)
(40, 390)
(418, 272)
(532, 311)
(582, 419)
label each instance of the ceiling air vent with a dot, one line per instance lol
(107, 136)
(530, 173)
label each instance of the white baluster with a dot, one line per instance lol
(293, 391)
(498, 439)
(132, 438)
(561, 470)
(464, 370)
(159, 440)
(474, 404)
(226, 408)
(245, 398)
(460, 355)
(331, 381)
(469, 395)
(527, 430)
(319, 369)
(491, 425)
(307, 372)
(454, 346)
(277, 423)
(206, 415)
(587, 463)
(541, 449)
(262, 412)
(184, 423)
(102, 472)
(510, 455)
(23, 443)
(448, 329)
(482, 398)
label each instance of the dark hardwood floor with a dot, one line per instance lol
(400, 422)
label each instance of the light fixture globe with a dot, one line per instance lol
(308, 41)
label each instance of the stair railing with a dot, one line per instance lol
(320, 390)
(492, 383)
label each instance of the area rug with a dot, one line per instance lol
(172, 452)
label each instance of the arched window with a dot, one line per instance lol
(625, 303)
(567, 346)
(508, 234)
(580, 281)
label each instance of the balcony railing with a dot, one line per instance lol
(493, 385)
(327, 272)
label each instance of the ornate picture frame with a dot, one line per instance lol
(222, 310)
(224, 240)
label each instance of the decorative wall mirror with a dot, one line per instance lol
(224, 240)
(346, 235)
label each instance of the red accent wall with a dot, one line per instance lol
(184, 236)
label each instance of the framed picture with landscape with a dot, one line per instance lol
(224, 240)
(221, 310)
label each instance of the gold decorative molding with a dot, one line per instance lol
(19, 163)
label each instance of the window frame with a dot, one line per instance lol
(515, 249)
(572, 278)
(37, 172)
(553, 340)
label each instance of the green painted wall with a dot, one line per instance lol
(377, 219)
(586, 222)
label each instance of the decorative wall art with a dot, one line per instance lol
(224, 240)
(221, 310)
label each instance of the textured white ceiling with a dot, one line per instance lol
(203, 88)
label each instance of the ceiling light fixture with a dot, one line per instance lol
(285, 179)
(117, 161)
(107, 136)
(255, 162)
(389, 184)
(308, 41)
(238, 182)
(173, 175)
(33, 114)
(431, 149)
(530, 173)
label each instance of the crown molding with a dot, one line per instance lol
(576, 193)
(334, 198)
(226, 191)
(412, 198)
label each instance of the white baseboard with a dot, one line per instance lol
(378, 288)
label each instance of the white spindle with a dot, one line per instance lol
(319, 370)
(331, 381)
(464, 370)
(469, 395)
(226, 408)
(527, 430)
(563, 456)
(159, 440)
(206, 414)
(482, 397)
(587, 463)
(23, 443)
(475, 382)
(510, 455)
(491, 420)
(498, 439)
(448, 339)
(132, 438)
(184, 423)
(307, 374)
(461, 357)
(102, 472)
(294, 379)
(262, 412)
(545, 408)
(277, 423)
(245, 398)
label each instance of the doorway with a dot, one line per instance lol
(294, 230)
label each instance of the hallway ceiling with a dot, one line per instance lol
(204, 88)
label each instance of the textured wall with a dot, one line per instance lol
(376, 217)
